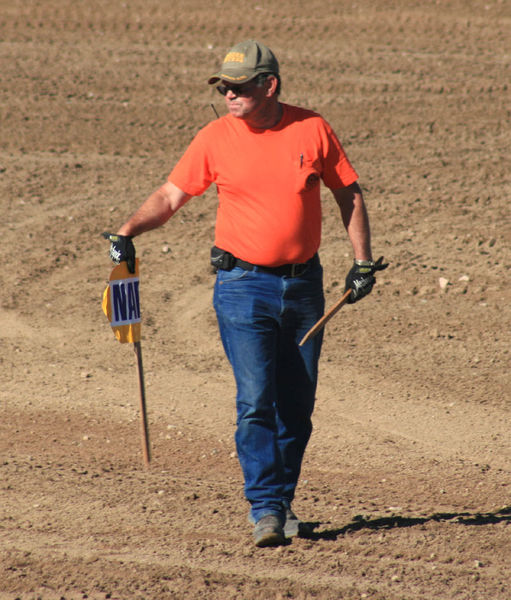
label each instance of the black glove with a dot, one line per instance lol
(361, 278)
(121, 248)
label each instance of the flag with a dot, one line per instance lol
(121, 303)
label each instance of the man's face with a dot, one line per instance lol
(245, 101)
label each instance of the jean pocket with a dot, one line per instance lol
(231, 276)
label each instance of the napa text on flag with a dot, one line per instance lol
(121, 303)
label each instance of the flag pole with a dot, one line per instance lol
(144, 428)
(121, 306)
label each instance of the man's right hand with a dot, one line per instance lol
(361, 278)
(121, 248)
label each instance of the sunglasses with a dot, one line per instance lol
(237, 90)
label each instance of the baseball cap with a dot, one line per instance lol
(244, 61)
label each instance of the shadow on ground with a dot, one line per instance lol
(395, 521)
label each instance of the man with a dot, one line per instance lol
(266, 159)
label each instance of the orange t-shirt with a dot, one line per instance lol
(269, 210)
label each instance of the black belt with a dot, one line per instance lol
(291, 270)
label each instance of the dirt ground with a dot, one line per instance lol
(407, 475)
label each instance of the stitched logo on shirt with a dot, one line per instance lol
(311, 181)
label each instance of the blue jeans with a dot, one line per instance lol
(262, 317)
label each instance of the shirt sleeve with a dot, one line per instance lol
(337, 169)
(192, 174)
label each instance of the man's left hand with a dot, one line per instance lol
(361, 279)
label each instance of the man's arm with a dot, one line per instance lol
(360, 279)
(155, 211)
(355, 219)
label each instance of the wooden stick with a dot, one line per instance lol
(144, 428)
(325, 318)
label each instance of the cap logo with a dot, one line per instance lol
(234, 57)
(230, 77)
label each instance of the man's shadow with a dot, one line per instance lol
(359, 522)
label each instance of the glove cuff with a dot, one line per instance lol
(364, 263)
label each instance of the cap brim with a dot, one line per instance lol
(230, 78)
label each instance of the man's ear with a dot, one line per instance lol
(271, 85)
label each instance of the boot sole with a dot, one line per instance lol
(273, 538)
